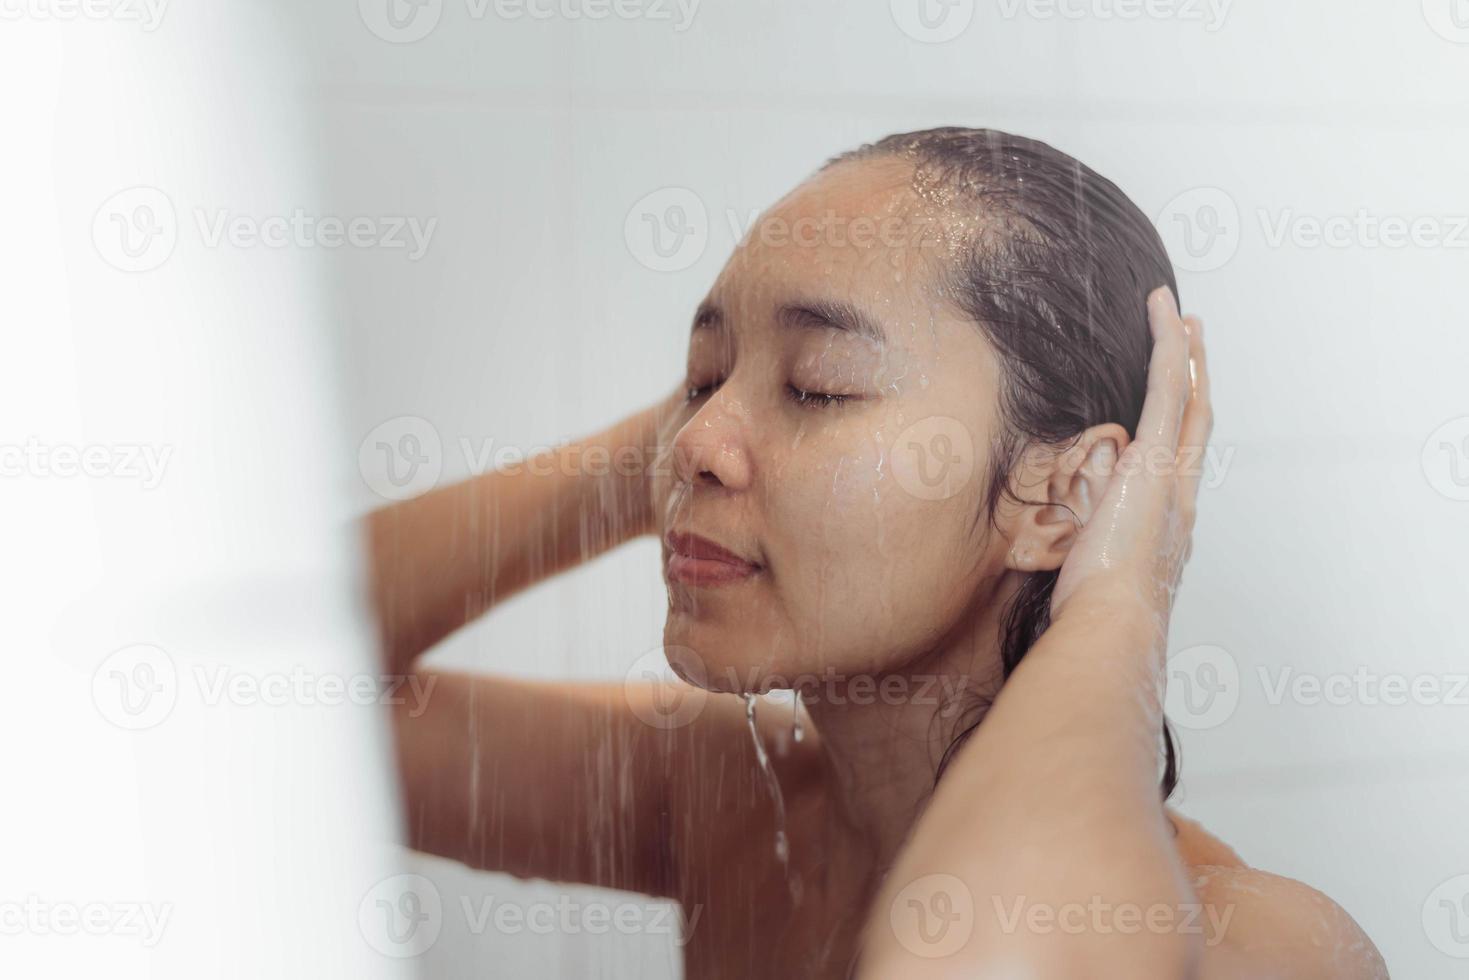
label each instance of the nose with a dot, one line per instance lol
(712, 449)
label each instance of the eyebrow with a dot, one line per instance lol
(806, 315)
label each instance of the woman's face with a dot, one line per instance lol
(834, 444)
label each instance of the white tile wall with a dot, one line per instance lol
(1322, 549)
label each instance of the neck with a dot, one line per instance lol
(883, 737)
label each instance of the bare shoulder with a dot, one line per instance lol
(1262, 926)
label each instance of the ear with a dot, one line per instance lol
(1062, 489)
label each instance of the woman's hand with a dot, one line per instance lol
(444, 558)
(1054, 801)
(1133, 547)
(638, 444)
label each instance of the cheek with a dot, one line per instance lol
(870, 541)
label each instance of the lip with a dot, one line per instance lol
(695, 560)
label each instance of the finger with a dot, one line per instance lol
(1168, 375)
(1198, 416)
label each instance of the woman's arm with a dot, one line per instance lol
(1050, 812)
(548, 780)
(1048, 824)
(1046, 852)
(440, 560)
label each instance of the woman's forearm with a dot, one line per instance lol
(442, 559)
(1050, 818)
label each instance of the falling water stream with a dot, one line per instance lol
(782, 842)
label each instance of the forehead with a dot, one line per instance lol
(855, 233)
(853, 222)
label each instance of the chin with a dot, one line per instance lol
(718, 657)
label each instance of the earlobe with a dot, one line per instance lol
(1074, 481)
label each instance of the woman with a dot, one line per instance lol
(930, 465)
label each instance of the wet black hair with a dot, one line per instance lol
(1056, 274)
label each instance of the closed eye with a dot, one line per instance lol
(814, 399)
